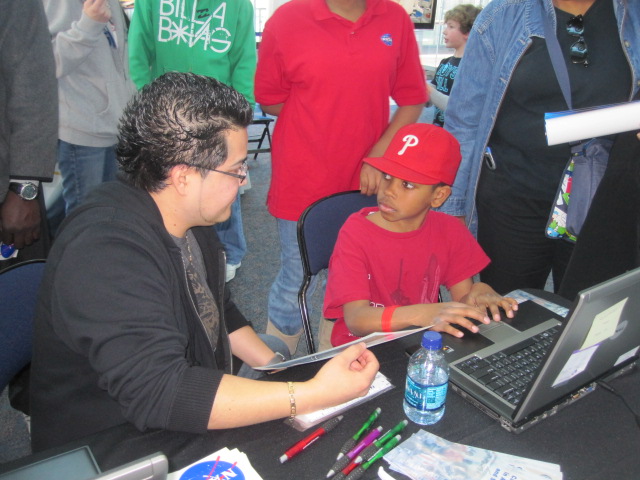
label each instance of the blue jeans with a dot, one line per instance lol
(231, 234)
(283, 309)
(275, 344)
(83, 168)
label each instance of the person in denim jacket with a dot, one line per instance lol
(505, 84)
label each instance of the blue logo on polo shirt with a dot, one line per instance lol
(386, 39)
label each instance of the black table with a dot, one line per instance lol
(595, 438)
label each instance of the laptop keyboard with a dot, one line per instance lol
(508, 372)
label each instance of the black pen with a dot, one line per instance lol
(309, 440)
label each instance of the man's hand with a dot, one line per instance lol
(97, 10)
(346, 376)
(369, 179)
(19, 221)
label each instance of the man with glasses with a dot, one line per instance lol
(134, 323)
(208, 37)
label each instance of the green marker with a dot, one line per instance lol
(368, 452)
(350, 443)
(390, 445)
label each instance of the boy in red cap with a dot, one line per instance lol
(390, 261)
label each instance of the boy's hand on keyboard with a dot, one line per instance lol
(483, 296)
(450, 314)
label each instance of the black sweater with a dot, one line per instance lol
(116, 337)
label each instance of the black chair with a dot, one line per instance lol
(19, 285)
(265, 121)
(318, 229)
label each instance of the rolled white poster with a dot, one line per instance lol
(575, 125)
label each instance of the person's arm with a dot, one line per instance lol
(437, 98)
(273, 110)
(271, 86)
(370, 177)
(249, 347)
(239, 401)
(19, 221)
(465, 109)
(74, 39)
(31, 93)
(410, 94)
(363, 319)
(242, 55)
(142, 43)
(128, 330)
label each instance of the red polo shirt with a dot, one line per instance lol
(335, 78)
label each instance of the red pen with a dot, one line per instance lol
(308, 441)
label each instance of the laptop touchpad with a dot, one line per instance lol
(497, 331)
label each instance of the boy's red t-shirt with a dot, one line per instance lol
(388, 268)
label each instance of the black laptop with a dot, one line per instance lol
(522, 376)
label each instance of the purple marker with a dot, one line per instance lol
(364, 443)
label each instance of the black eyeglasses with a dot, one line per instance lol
(578, 50)
(241, 176)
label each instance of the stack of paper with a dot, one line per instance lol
(222, 464)
(425, 456)
(380, 384)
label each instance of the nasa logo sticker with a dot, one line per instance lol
(386, 39)
(213, 470)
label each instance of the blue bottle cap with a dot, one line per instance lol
(6, 250)
(432, 340)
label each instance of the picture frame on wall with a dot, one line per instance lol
(421, 12)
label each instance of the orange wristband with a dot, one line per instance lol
(386, 317)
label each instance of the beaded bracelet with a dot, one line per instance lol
(386, 318)
(292, 402)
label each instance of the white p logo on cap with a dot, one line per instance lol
(409, 141)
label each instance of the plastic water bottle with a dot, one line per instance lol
(427, 382)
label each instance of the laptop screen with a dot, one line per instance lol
(601, 336)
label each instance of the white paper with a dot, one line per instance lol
(425, 456)
(576, 364)
(626, 356)
(604, 324)
(522, 296)
(575, 125)
(304, 421)
(383, 475)
(370, 340)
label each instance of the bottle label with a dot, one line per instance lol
(425, 397)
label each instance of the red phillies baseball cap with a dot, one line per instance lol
(421, 153)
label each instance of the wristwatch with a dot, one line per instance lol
(27, 190)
